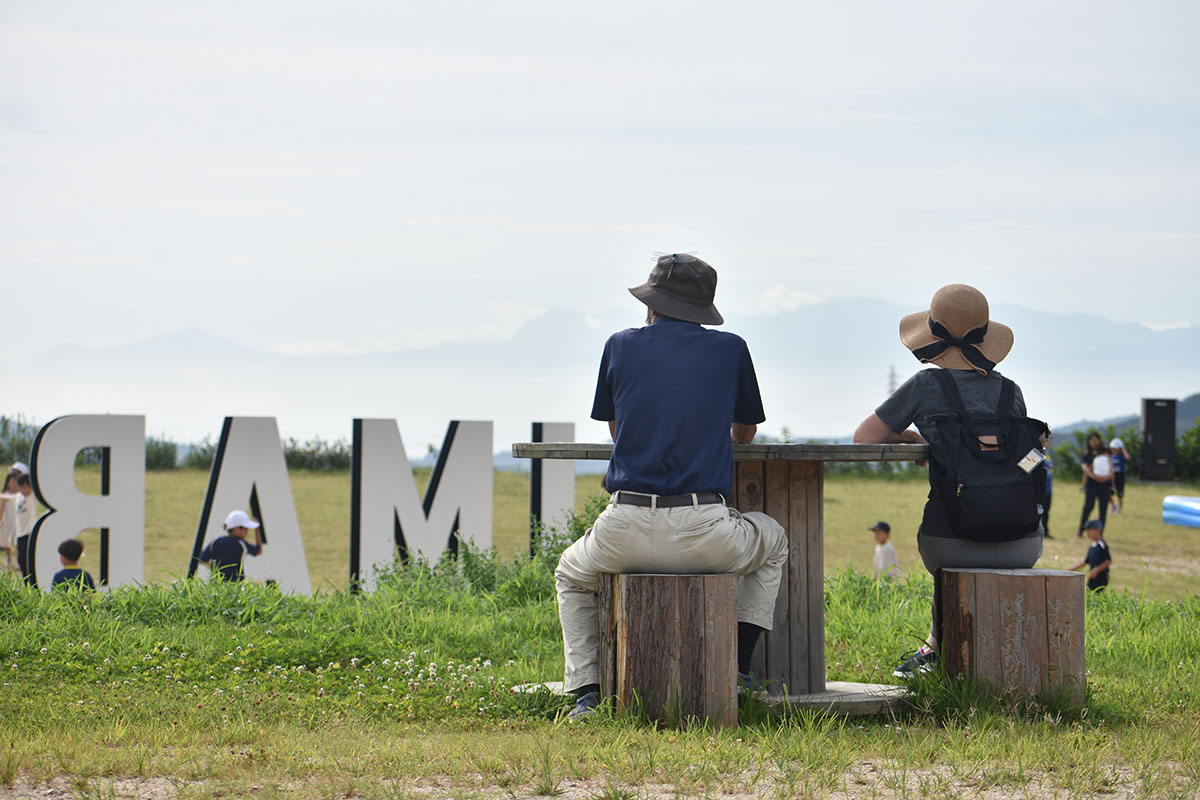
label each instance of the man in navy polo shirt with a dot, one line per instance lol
(224, 555)
(676, 397)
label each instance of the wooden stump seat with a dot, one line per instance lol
(668, 646)
(1014, 630)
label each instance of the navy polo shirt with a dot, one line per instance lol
(1097, 554)
(674, 388)
(226, 554)
(72, 576)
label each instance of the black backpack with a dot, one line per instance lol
(980, 492)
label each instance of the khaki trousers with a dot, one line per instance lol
(703, 539)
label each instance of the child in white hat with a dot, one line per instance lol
(224, 555)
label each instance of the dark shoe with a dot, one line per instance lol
(585, 707)
(916, 662)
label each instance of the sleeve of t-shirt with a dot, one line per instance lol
(748, 407)
(604, 408)
(252, 549)
(1019, 402)
(206, 553)
(901, 408)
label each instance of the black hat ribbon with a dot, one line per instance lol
(967, 344)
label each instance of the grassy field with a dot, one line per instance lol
(207, 690)
(204, 689)
(1152, 558)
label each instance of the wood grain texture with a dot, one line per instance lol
(673, 646)
(758, 661)
(958, 623)
(1014, 630)
(606, 605)
(750, 486)
(1064, 636)
(778, 639)
(741, 452)
(814, 534)
(987, 629)
(799, 679)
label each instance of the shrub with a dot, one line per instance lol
(317, 454)
(16, 439)
(161, 453)
(1187, 453)
(201, 455)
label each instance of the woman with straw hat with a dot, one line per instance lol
(956, 334)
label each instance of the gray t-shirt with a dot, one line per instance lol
(920, 397)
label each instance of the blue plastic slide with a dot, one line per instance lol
(1181, 510)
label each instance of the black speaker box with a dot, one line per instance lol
(1158, 440)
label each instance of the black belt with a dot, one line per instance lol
(668, 500)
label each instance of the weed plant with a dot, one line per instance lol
(228, 687)
(239, 689)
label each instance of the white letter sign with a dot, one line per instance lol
(551, 481)
(249, 473)
(385, 515)
(119, 511)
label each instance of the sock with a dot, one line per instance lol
(582, 690)
(748, 634)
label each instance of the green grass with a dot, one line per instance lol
(215, 690)
(1152, 558)
(205, 689)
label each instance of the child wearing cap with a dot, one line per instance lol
(1098, 557)
(887, 563)
(69, 553)
(224, 555)
(1120, 460)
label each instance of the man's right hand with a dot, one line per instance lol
(742, 434)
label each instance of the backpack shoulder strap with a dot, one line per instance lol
(1008, 394)
(950, 390)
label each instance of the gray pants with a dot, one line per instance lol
(938, 553)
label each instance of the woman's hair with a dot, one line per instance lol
(1099, 443)
(12, 476)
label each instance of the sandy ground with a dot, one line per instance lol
(866, 779)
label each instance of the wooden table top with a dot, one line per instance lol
(584, 451)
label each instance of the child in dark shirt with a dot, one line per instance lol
(224, 555)
(69, 553)
(1098, 557)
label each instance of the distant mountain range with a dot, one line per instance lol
(822, 368)
(1187, 411)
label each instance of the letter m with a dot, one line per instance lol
(387, 519)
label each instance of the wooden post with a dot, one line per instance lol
(791, 656)
(1014, 630)
(668, 646)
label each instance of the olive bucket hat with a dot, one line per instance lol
(956, 332)
(681, 286)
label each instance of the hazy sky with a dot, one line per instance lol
(319, 176)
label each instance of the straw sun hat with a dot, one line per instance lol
(956, 332)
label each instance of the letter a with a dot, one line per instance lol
(249, 473)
